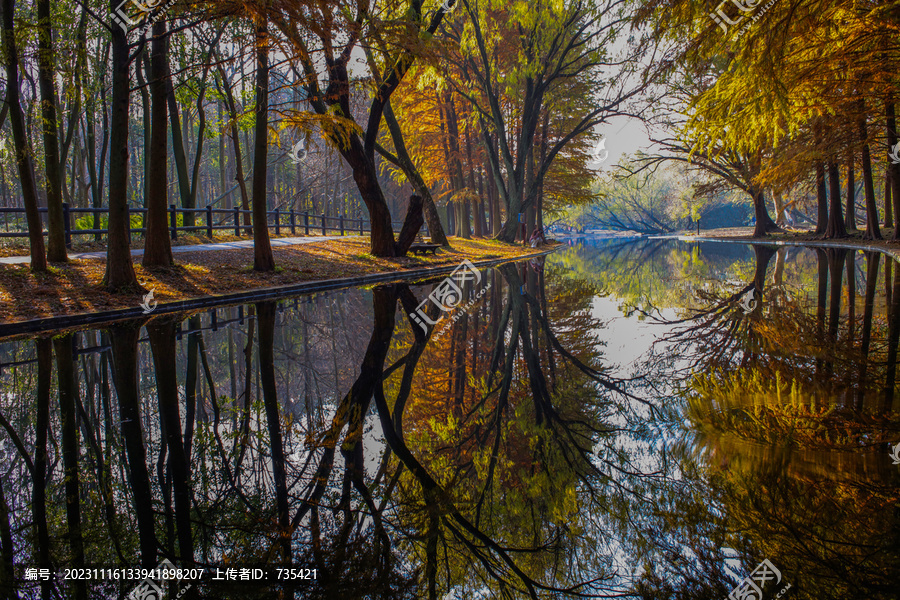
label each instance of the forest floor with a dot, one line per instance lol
(76, 287)
(803, 237)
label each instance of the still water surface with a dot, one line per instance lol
(644, 419)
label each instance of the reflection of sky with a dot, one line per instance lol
(642, 444)
(627, 339)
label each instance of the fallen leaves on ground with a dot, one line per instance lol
(76, 287)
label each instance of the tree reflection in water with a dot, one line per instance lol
(505, 458)
(789, 409)
(459, 464)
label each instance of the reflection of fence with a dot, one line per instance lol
(214, 324)
(286, 220)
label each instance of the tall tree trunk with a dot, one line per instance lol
(158, 247)
(266, 316)
(68, 391)
(764, 223)
(835, 227)
(821, 200)
(851, 294)
(366, 179)
(893, 167)
(530, 216)
(890, 382)
(162, 345)
(873, 231)
(435, 229)
(836, 260)
(463, 229)
(179, 155)
(194, 336)
(778, 200)
(888, 205)
(494, 196)
(480, 210)
(124, 341)
(96, 173)
(236, 143)
(119, 274)
(143, 66)
(20, 139)
(872, 259)
(850, 211)
(222, 176)
(263, 259)
(56, 236)
(821, 296)
(44, 350)
(471, 168)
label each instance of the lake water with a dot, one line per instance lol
(644, 419)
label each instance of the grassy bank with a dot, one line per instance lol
(76, 287)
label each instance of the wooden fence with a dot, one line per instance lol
(279, 220)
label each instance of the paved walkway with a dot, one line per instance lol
(276, 242)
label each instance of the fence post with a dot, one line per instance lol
(237, 221)
(209, 229)
(323, 226)
(174, 219)
(67, 225)
(293, 222)
(306, 221)
(277, 222)
(342, 224)
(360, 225)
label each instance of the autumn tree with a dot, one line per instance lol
(523, 54)
(338, 28)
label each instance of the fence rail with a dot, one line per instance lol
(287, 220)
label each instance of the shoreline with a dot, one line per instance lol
(885, 246)
(11, 329)
(743, 235)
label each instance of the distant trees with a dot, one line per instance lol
(508, 103)
(655, 199)
(803, 88)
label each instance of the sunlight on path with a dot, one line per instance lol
(291, 241)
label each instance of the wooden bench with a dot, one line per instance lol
(424, 248)
(420, 246)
